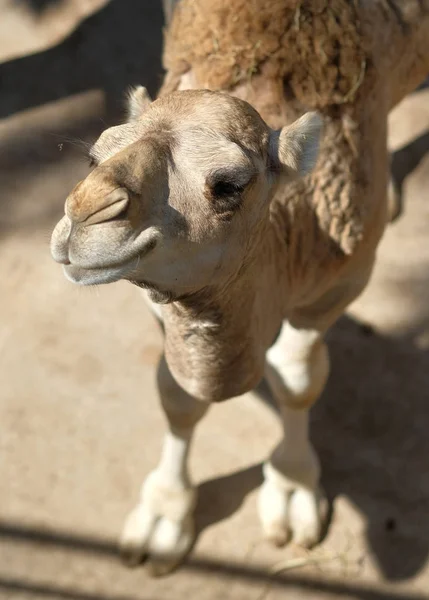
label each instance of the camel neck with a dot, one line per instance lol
(216, 338)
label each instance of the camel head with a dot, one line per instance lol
(179, 195)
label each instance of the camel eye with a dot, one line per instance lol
(224, 188)
(229, 182)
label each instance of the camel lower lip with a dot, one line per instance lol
(106, 274)
(98, 276)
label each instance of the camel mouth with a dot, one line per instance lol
(109, 273)
(99, 275)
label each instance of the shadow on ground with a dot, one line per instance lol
(405, 160)
(375, 407)
(118, 46)
(56, 541)
(36, 6)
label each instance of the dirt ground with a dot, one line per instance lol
(80, 422)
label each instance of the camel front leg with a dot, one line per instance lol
(161, 526)
(297, 367)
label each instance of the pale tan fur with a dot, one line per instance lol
(245, 259)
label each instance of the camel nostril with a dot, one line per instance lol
(113, 207)
(117, 217)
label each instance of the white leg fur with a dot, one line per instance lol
(161, 526)
(160, 523)
(297, 367)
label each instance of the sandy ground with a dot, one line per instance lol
(79, 416)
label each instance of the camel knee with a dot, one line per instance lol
(298, 378)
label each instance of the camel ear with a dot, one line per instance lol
(138, 102)
(295, 148)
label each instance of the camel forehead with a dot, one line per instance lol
(203, 106)
(211, 111)
(197, 120)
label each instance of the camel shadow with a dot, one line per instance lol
(221, 497)
(375, 407)
(118, 46)
(404, 161)
(370, 431)
(36, 6)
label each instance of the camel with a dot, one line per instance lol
(249, 213)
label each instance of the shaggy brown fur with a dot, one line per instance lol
(228, 42)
